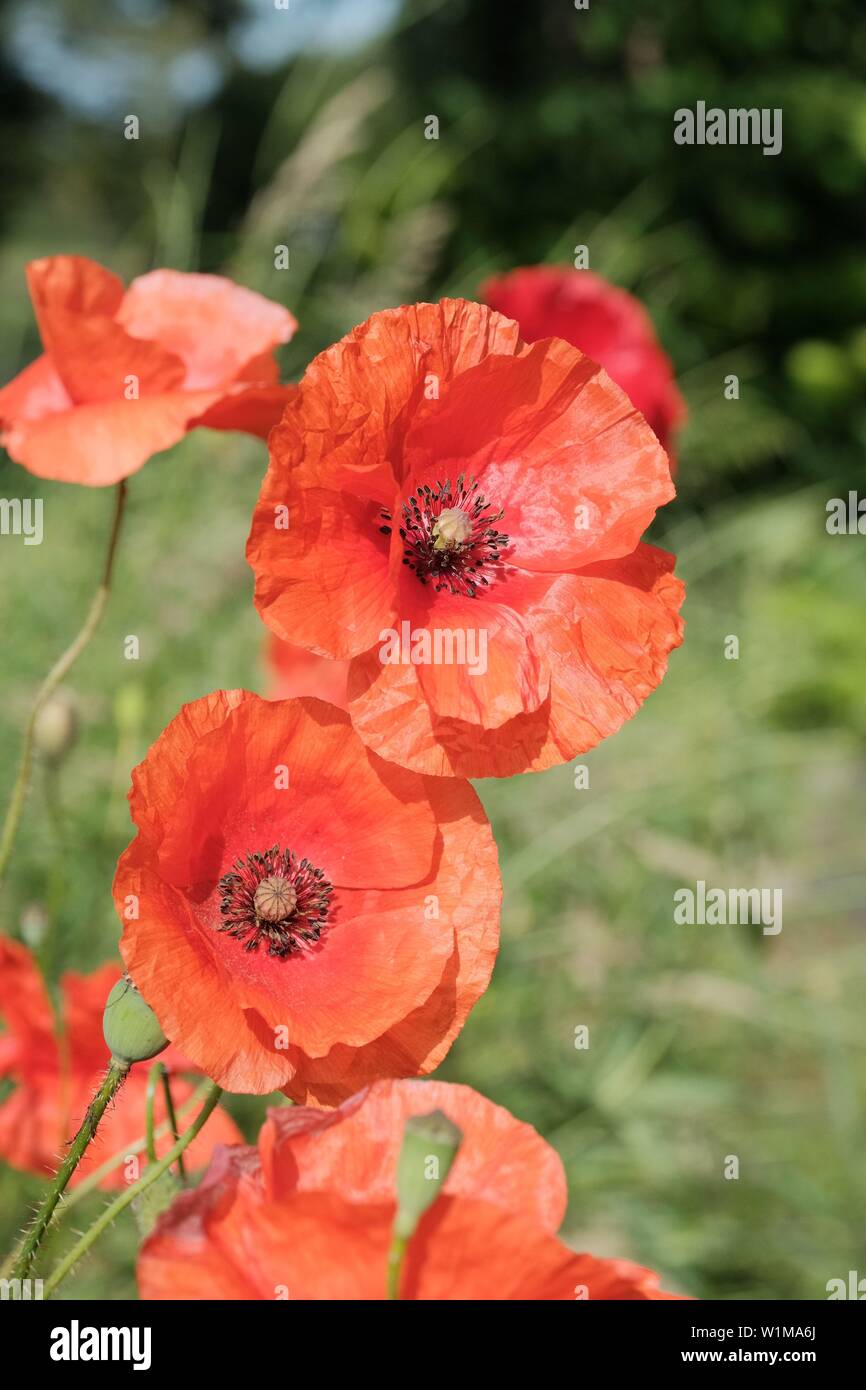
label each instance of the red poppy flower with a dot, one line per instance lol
(465, 514)
(310, 1214)
(56, 1076)
(607, 323)
(295, 672)
(309, 917)
(125, 374)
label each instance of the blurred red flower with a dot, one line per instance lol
(125, 374)
(447, 484)
(297, 913)
(316, 1203)
(296, 672)
(607, 323)
(55, 1076)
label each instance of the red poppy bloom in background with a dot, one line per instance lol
(465, 520)
(125, 374)
(309, 917)
(607, 323)
(316, 1203)
(294, 672)
(56, 1076)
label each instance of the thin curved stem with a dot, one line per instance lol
(61, 667)
(172, 1119)
(150, 1096)
(154, 1171)
(92, 1181)
(159, 1073)
(111, 1084)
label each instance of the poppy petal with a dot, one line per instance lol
(75, 301)
(409, 891)
(323, 582)
(35, 392)
(354, 1149)
(99, 444)
(215, 327)
(468, 898)
(605, 322)
(470, 1250)
(556, 445)
(610, 630)
(288, 1251)
(336, 460)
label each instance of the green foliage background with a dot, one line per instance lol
(555, 130)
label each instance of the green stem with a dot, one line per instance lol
(172, 1119)
(60, 669)
(396, 1256)
(92, 1181)
(159, 1072)
(150, 1096)
(150, 1175)
(114, 1079)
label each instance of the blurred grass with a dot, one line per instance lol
(704, 1041)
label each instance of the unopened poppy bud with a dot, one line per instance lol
(56, 727)
(452, 528)
(129, 1025)
(430, 1144)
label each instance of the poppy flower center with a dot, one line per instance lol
(275, 900)
(448, 536)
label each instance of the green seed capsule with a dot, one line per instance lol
(129, 1025)
(430, 1144)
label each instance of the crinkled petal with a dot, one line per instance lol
(354, 1150)
(406, 889)
(216, 328)
(321, 564)
(609, 633)
(337, 460)
(604, 635)
(556, 445)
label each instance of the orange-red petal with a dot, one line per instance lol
(337, 459)
(605, 322)
(125, 376)
(215, 327)
(468, 899)
(354, 1150)
(410, 892)
(555, 444)
(296, 672)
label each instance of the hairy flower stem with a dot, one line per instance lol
(60, 669)
(150, 1175)
(114, 1079)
